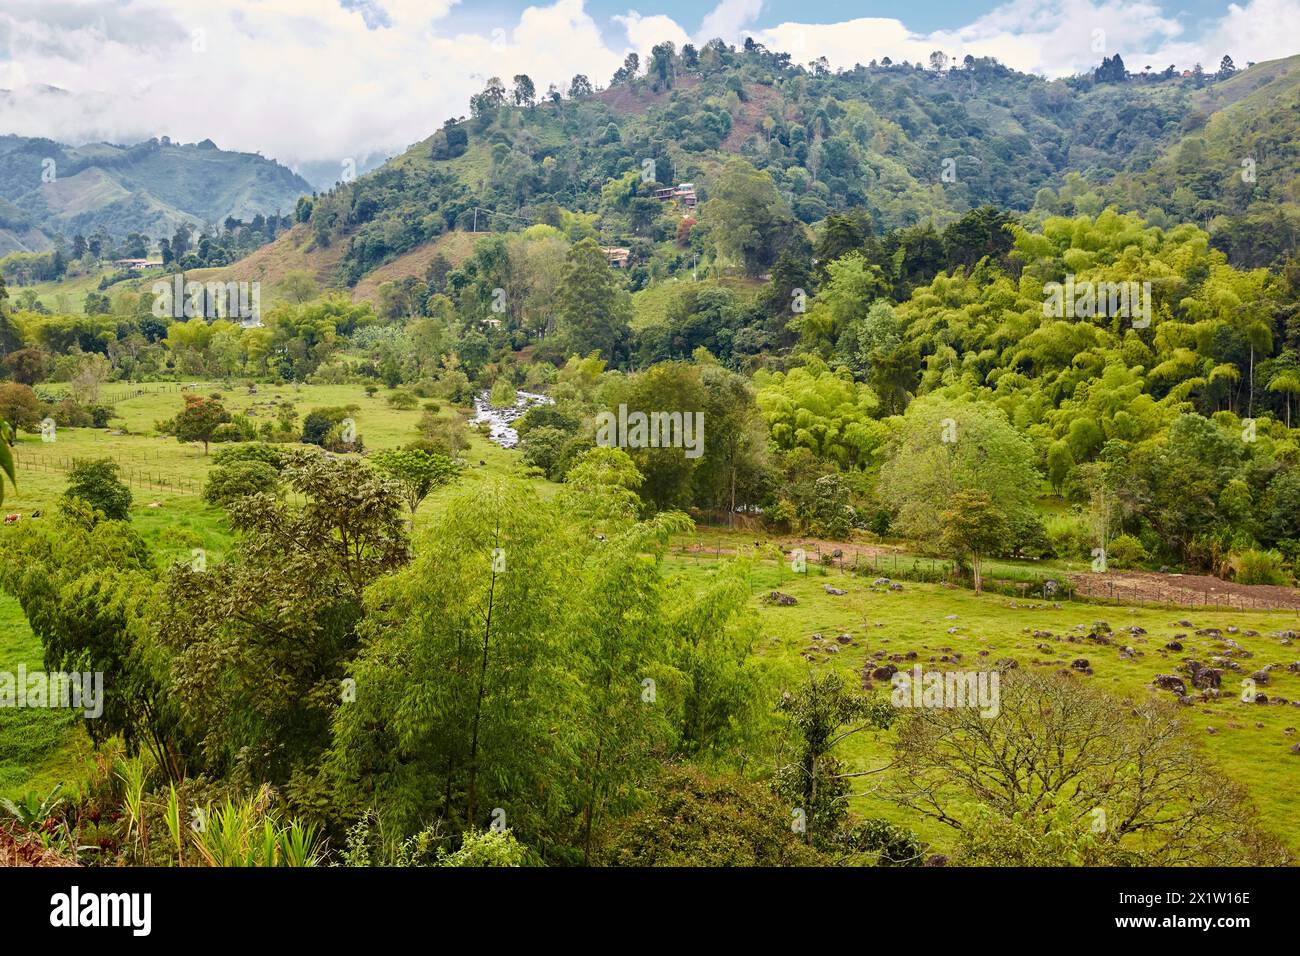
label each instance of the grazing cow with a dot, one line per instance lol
(12, 519)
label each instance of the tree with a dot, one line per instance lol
(6, 458)
(580, 86)
(418, 472)
(199, 420)
(661, 68)
(525, 93)
(748, 218)
(1226, 67)
(277, 621)
(27, 366)
(811, 780)
(298, 286)
(942, 448)
(973, 526)
(593, 311)
(238, 479)
(84, 586)
(92, 371)
(96, 483)
(1133, 775)
(525, 664)
(19, 407)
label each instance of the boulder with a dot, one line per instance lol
(1170, 682)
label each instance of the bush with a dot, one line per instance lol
(1259, 567)
(256, 451)
(239, 479)
(695, 819)
(486, 848)
(503, 393)
(1069, 537)
(96, 483)
(239, 428)
(403, 400)
(1125, 551)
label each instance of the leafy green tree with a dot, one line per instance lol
(228, 483)
(95, 482)
(821, 714)
(941, 449)
(85, 586)
(973, 527)
(416, 471)
(199, 420)
(276, 622)
(593, 311)
(748, 219)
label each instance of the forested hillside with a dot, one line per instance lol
(902, 143)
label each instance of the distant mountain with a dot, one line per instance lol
(47, 188)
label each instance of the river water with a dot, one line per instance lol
(501, 420)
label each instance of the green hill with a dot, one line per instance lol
(149, 188)
(899, 144)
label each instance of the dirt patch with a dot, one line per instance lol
(456, 246)
(637, 101)
(28, 852)
(1184, 590)
(744, 123)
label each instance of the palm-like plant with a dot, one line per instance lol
(32, 811)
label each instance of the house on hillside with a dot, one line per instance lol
(619, 258)
(683, 193)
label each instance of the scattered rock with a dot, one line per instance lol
(776, 597)
(1170, 682)
(1081, 664)
(836, 591)
(1174, 646)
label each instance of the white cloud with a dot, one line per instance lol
(646, 32)
(728, 18)
(311, 80)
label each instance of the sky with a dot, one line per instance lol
(318, 83)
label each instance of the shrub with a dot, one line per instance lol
(1253, 566)
(1069, 537)
(503, 393)
(238, 479)
(485, 848)
(95, 482)
(695, 819)
(256, 451)
(403, 400)
(1125, 551)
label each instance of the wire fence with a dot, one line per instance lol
(1018, 583)
(134, 470)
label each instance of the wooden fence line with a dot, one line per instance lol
(905, 567)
